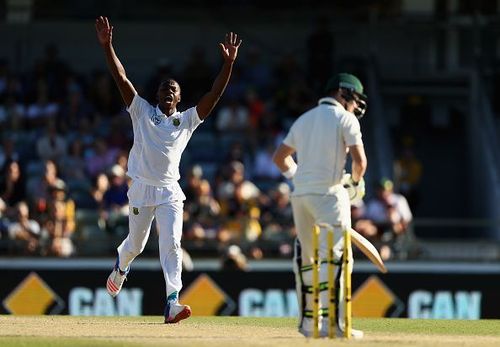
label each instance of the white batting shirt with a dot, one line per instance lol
(156, 153)
(321, 138)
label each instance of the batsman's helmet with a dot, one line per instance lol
(352, 89)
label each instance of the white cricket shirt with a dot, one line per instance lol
(321, 138)
(158, 142)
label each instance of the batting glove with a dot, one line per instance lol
(355, 190)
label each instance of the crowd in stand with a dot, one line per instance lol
(65, 141)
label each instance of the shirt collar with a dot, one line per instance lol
(329, 101)
(160, 113)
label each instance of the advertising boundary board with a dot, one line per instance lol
(414, 290)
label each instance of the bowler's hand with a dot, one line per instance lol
(230, 47)
(104, 31)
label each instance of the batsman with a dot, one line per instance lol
(321, 139)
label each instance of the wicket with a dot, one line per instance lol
(332, 309)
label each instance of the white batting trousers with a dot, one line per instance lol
(334, 209)
(169, 225)
(308, 210)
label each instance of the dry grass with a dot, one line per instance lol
(234, 331)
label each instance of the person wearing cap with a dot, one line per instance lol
(161, 133)
(389, 207)
(391, 215)
(321, 138)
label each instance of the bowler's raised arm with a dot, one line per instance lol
(105, 37)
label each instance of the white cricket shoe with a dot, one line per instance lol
(355, 333)
(175, 312)
(115, 280)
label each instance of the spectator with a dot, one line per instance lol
(12, 187)
(100, 187)
(115, 200)
(60, 227)
(208, 207)
(59, 222)
(368, 229)
(252, 229)
(3, 207)
(193, 181)
(277, 219)
(122, 159)
(40, 187)
(115, 197)
(235, 192)
(202, 214)
(239, 199)
(58, 193)
(25, 231)
(390, 213)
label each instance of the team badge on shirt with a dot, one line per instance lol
(176, 122)
(156, 119)
(135, 211)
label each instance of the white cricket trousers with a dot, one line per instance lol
(334, 209)
(169, 225)
(308, 210)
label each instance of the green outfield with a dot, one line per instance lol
(234, 331)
